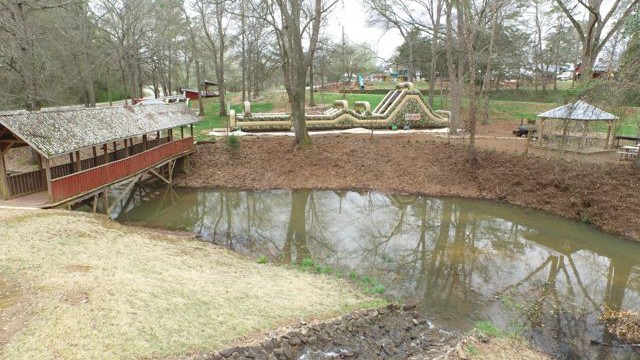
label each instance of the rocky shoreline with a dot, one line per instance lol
(391, 332)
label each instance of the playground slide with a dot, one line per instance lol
(400, 108)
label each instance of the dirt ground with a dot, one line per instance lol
(604, 194)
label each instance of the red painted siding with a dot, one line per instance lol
(78, 183)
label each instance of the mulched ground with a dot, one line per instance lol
(604, 195)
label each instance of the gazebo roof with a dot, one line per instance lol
(578, 110)
(54, 132)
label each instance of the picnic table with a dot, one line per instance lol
(625, 137)
(628, 152)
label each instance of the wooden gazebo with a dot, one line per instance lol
(578, 113)
(82, 151)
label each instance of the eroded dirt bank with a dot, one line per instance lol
(605, 196)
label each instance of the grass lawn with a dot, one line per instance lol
(329, 98)
(505, 106)
(89, 288)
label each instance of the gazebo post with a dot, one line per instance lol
(585, 132)
(609, 125)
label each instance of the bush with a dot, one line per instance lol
(233, 142)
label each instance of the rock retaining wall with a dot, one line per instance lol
(391, 332)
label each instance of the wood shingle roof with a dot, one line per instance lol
(56, 132)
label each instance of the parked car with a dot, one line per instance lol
(567, 75)
(523, 130)
(150, 102)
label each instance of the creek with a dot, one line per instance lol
(461, 261)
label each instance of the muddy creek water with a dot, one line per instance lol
(461, 261)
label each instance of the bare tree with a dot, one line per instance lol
(597, 30)
(454, 68)
(217, 44)
(395, 14)
(16, 22)
(290, 20)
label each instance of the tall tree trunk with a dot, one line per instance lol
(199, 79)
(221, 48)
(451, 67)
(434, 54)
(27, 60)
(469, 40)
(244, 50)
(484, 91)
(311, 85)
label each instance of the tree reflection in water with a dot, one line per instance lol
(462, 261)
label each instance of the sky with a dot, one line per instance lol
(352, 15)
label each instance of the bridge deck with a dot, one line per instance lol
(37, 200)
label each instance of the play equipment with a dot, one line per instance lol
(401, 108)
(361, 82)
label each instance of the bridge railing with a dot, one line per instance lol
(26, 183)
(87, 180)
(35, 181)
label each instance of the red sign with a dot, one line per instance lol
(412, 117)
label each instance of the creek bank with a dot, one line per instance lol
(391, 332)
(603, 195)
(133, 293)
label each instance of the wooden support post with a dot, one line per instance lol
(105, 195)
(95, 203)
(181, 132)
(4, 188)
(144, 142)
(47, 171)
(126, 148)
(610, 123)
(170, 134)
(191, 129)
(130, 186)
(73, 164)
(157, 175)
(158, 137)
(78, 162)
(105, 153)
(541, 133)
(95, 156)
(39, 161)
(172, 166)
(115, 150)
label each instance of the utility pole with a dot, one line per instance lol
(244, 60)
(109, 85)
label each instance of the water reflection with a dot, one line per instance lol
(462, 261)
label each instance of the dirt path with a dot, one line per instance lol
(604, 195)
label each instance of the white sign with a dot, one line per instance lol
(412, 117)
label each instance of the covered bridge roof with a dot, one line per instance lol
(578, 110)
(56, 132)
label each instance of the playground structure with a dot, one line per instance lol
(402, 108)
(192, 94)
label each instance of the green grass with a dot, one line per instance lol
(329, 98)
(212, 119)
(528, 95)
(505, 106)
(487, 328)
(367, 284)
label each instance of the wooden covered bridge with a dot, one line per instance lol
(76, 154)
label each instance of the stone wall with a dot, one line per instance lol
(391, 332)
